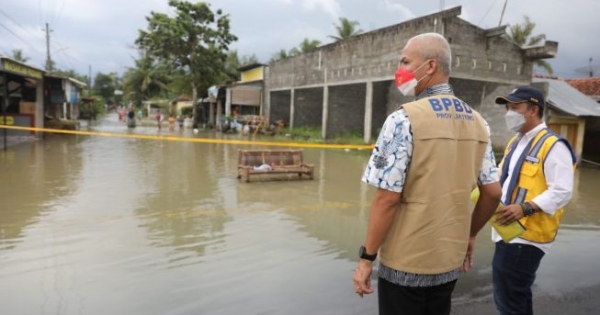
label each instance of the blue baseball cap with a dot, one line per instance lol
(523, 94)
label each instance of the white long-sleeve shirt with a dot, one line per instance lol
(558, 170)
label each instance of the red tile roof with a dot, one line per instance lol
(547, 76)
(587, 86)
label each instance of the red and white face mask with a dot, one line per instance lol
(406, 81)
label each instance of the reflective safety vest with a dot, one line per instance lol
(528, 181)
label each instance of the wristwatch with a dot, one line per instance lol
(362, 253)
(527, 209)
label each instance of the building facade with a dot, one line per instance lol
(348, 86)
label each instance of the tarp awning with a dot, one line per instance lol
(245, 96)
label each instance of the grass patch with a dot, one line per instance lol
(313, 135)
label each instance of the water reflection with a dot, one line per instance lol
(36, 178)
(125, 226)
(184, 206)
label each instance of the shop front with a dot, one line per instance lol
(21, 97)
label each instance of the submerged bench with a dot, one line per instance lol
(253, 162)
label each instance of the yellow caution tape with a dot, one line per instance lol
(197, 140)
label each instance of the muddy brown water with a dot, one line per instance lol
(103, 225)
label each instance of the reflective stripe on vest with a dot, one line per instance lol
(528, 181)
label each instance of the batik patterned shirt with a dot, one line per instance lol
(387, 170)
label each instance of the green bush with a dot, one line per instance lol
(187, 111)
(92, 110)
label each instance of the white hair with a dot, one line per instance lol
(436, 47)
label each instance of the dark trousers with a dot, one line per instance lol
(514, 267)
(399, 300)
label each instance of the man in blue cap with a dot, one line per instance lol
(537, 183)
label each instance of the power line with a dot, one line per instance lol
(19, 25)
(60, 11)
(487, 12)
(18, 37)
(60, 42)
(40, 11)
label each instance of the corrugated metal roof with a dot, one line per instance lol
(568, 99)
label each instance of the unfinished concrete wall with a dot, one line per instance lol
(346, 111)
(280, 109)
(478, 55)
(308, 107)
(380, 111)
(481, 96)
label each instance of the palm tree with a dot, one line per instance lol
(346, 29)
(281, 54)
(307, 45)
(522, 35)
(18, 56)
(146, 80)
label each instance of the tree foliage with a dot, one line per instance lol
(18, 56)
(106, 84)
(281, 54)
(234, 62)
(346, 29)
(194, 42)
(307, 45)
(522, 35)
(248, 60)
(146, 80)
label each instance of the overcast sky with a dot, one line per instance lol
(101, 33)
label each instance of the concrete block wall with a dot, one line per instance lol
(380, 110)
(308, 107)
(481, 96)
(482, 68)
(346, 111)
(280, 109)
(369, 55)
(487, 59)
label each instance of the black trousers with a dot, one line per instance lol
(399, 300)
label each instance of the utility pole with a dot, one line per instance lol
(90, 80)
(48, 59)
(502, 15)
(4, 108)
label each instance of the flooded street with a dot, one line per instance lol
(102, 225)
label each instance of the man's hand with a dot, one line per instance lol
(468, 262)
(509, 214)
(362, 278)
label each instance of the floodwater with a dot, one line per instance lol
(103, 225)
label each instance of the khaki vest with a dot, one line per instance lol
(430, 231)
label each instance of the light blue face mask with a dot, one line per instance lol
(514, 120)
